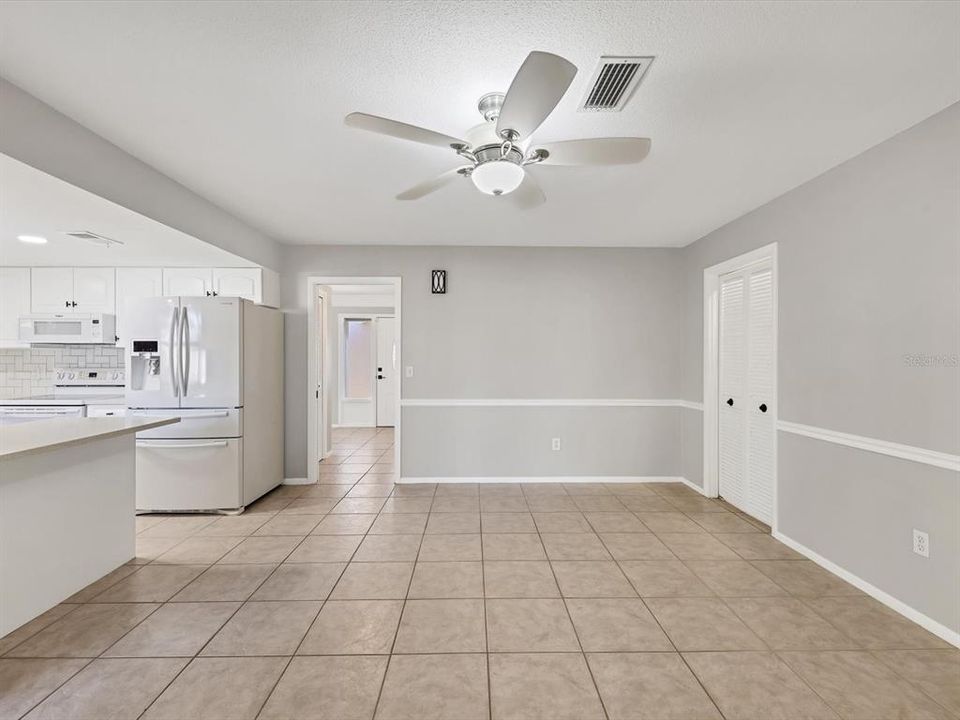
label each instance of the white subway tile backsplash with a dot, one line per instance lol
(29, 371)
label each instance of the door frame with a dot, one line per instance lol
(341, 387)
(320, 367)
(711, 366)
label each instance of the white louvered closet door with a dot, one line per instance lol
(747, 379)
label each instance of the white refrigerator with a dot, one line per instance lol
(217, 364)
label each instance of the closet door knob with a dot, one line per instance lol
(730, 402)
(763, 407)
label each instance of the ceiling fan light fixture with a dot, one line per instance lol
(497, 177)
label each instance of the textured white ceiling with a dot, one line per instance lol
(243, 102)
(34, 203)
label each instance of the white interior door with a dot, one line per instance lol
(387, 376)
(321, 393)
(747, 463)
(358, 395)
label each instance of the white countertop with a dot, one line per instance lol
(43, 435)
(65, 399)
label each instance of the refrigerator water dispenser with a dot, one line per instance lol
(145, 365)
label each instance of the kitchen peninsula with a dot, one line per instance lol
(67, 516)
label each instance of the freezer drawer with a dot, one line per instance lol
(191, 474)
(204, 423)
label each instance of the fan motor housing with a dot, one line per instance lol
(487, 153)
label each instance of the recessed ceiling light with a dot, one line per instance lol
(32, 239)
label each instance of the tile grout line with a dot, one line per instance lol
(403, 608)
(805, 601)
(563, 599)
(273, 689)
(486, 630)
(664, 631)
(232, 615)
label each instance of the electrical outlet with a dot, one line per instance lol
(556, 444)
(409, 371)
(921, 543)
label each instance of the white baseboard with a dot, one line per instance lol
(297, 481)
(546, 479)
(924, 621)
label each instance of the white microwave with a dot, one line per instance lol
(72, 329)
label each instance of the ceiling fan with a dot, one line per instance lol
(499, 152)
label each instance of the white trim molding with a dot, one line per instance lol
(924, 621)
(545, 402)
(549, 479)
(690, 405)
(882, 447)
(297, 481)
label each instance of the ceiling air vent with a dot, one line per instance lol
(92, 237)
(613, 83)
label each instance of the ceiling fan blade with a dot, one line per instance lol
(536, 89)
(429, 186)
(397, 129)
(529, 194)
(595, 151)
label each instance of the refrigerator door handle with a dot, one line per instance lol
(184, 352)
(174, 359)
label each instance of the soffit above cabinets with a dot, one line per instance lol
(35, 203)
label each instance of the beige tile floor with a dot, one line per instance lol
(358, 598)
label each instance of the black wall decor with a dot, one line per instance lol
(438, 282)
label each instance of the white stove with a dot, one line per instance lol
(78, 392)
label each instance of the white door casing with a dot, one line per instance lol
(387, 375)
(746, 387)
(312, 285)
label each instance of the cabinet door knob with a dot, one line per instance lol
(66, 303)
(730, 402)
(763, 407)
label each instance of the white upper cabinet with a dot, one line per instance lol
(14, 302)
(94, 290)
(238, 282)
(135, 283)
(79, 290)
(51, 290)
(187, 281)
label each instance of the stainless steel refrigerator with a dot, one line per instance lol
(217, 364)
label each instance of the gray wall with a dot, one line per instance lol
(516, 323)
(869, 267)
(38, 135)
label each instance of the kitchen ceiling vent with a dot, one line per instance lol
(613, 83)
(92, 237)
